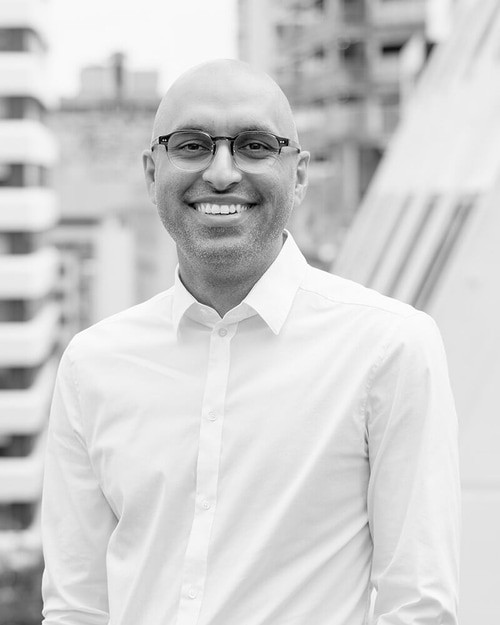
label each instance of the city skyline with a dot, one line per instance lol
(153, 34)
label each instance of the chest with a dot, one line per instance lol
(260, 413)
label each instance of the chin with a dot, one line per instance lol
(221, 251)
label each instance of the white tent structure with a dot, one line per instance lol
(428, 232)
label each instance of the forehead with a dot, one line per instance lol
(225, 105)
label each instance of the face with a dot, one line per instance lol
(252, 236)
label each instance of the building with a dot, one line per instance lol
(114, 82)
(29, 317)
(427, 232)
(114, 250)
(338, 63)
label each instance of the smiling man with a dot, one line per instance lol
(226, 216)
(263, 443)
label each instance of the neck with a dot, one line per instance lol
(222, 286)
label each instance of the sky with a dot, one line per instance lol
(167, 35)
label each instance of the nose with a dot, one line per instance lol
(222, 172)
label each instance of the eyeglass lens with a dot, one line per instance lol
(194, 150)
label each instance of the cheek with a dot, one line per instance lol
(169, 194)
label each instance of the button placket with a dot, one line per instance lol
(207, 474)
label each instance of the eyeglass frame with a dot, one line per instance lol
(283, 142)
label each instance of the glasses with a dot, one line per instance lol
(253, 151)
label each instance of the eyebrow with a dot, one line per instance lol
(243, 128)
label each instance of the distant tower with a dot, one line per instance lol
(118, 65)
(28, 271)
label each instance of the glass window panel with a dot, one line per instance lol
(11, 39)
(413, 242)
(439, 260)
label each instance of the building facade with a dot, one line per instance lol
(114, 249)
(427, 233)
(338, 61)
(29, 317)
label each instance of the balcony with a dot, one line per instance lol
(388, 13)
(305, 87)
(30, 343)
(301, 36)
(354, 12)
(28, 276)
(27, 209)
(25, 412)
(24, 14)
(26, 141)
(319, 125)
(23, 73)
(21, 478)
(386, 69)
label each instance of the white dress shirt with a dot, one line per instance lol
(267, 468)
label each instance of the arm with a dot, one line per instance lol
(414, 490)
(76, 519)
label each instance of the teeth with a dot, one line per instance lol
(220, 209)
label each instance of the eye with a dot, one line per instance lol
(189, 145)
(192, 146)
(256, 146)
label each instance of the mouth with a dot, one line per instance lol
(207, 208)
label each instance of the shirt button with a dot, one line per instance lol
(192, 593)
(205, 504)
(212, 415)
(223, 332)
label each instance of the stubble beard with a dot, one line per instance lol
(224, 257)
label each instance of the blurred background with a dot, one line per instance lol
(399, 103)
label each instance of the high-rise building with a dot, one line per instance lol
(115, 251)
(338, 63)
(427, 232)
(29, 317)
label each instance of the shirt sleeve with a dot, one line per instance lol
(414, 489)
(76, 518)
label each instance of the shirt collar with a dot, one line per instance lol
(271, 297)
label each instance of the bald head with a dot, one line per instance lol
(227, 83)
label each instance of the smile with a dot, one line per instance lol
(220, 209)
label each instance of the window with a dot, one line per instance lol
(438, 261)
(353, 52)
(11, 175)
(16, 446)
(418, 231)
(17, 378)
(390, 48)
(319, 53)
(16, 516)
(23, 175)
(398, 209)
(350, 98)
(20, 40)
(11, 39)
(390, 108)
(17, 242)
(353, 10)
(369, 158)
(21, 108)
(19, 310)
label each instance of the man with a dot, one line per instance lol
(264, 443)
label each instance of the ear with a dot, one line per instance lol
(301, 180)
(149, 173)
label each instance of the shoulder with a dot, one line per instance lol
(365, 313)
(339, 292)
(123, 329)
